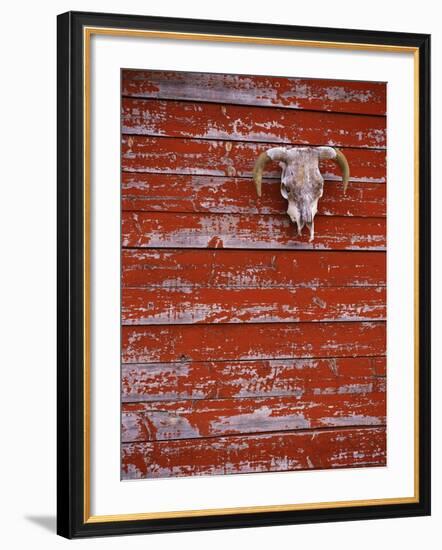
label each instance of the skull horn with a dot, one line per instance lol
(275, 153)
(343, 164)
(261, 161)
(339, 157)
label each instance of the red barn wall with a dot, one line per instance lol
(246, 348)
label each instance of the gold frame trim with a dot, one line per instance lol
(87, 34)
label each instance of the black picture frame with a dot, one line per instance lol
(72, 522)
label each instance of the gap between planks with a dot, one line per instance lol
(310, 250)
(307, 357)
(259, 433)
(330, 178)
(248, 141)
(254, 323)
(263, 106)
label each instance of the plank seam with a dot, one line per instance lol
(261, 433)
(258, 106)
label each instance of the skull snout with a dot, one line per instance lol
(303, 215)
(295, 216)
(300, 215)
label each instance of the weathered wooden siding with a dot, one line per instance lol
(254, 378)
(188, 230)
(183, 268)
(367, 98)
(172, 155)
(238, 123)
(229, 341)
(246, 348)
(275, 451)
(217, 194)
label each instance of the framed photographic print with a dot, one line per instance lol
(243, 274)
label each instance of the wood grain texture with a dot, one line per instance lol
(380, 366)
(314, 449)
(200, 268)
(270, 91)
(176, 230)
(228, 158)
(160, 421)
(217, 194)
(231, 342)
(262, 378)
(248, 123)
(246, 348)
(141, 306)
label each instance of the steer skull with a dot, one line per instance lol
(301, 181)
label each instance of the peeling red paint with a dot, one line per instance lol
(216, 417)
(178, 230)
(278, 451)
(226, 342)
(270, 91)
(200, 268)
(232, 122)
(186, 193)
(253, 378)
(141, 306)
(215, 242)
(209, 157)
(245, 347)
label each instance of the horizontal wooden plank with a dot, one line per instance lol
(228, 158)
(154, 117)
(165, 420)
(316, 449)
(141, 306)
(175, 230)
(380, 366)
(216, 194)
(184, 268)
(174, 343)
(293, 93)
(263, 378)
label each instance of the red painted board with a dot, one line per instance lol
(185, 193)
(188, 268)
(141, 306)
(176, 230)
(162, 420)
(228, 158)
(226, 342)
(187, 119)
(262, 378)
(316, 449)
(294, 93)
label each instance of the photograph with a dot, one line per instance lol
(221, 275)
(243, 267)
(253, 274)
